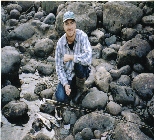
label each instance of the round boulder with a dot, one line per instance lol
(133, 51)
(9, 93)
(143, 84)
(120, 14)
(15, 109)
(43, 47)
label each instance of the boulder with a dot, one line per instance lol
(138, 68)
(95, 99)
(13, 6)
(143, 84)
(122, 94)
(38, 15)
(23, 32)
(150, 107)
(87, 134)
(15, 109)
(128, 33)
(50, 19)
(43, 47)
(124, 80)
(111, 40)
(47, 93)
(5, 39)
(109, 54)
(51, 6)
(103, 79)
(41, 136)
(113, 108)
(94, 120)
(46, 69)
(8, 94)
(85, 16)
(120, 14)
(14, 14)
(129, 131)
(133, 51)
(26, 5)
(148, 20)
(150, 61)
(96, 51)
(99, 35)
(10, 63)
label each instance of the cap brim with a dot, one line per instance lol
(68, 18)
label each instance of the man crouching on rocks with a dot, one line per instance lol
(73, 59)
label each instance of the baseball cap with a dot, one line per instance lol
(68, 15)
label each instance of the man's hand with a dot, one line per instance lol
(67, 89)
(68, 57)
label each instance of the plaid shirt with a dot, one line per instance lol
(82, 52)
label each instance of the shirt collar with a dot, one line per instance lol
(65, 40)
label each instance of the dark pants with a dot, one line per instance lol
(80, 72)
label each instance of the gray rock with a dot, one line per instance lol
(115, 47)
(95, 99)
(122, 94)
(97, 134)
(47, 108)
(138, 68)
(99, 121)
(78, 136)
(128, 33)
(111, 40)
(15, 109)
(109, 54)
(50, 19)
(96, 51)
(14, 14)
(43, 47)
(86, 18)
(125, 70)
(40, 87)
(30, 67)
(115, 74)
(103, 79)
(124, 16)
(133, 51)
(5, 39)
(23, 32)
(113, 108)
(129, 131)
(13, 22)
(147, 10)
(98, 34)
(47, 93)
(150, 61)
(30, 96)
(150, 107)
(41, 136)
(124, 80)
(28, 137)
(51, 6)
(25, 5)
(87, 134)
(70, 137)
(46, 69)
(148, 20)
(9, 93)
(93, 40)
(10, 63)
(143, 84)
(13, 6)
(91, 79)
(69, 117)
(38, 15)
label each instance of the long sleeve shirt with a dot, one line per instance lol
(82, 52)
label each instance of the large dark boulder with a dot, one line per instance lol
(23, 32)
(10, 63)
(133, 51)
(143, 84)
(9, 93)
(117, 15)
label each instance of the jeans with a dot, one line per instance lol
(80, 72)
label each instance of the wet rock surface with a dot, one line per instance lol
(118, 102)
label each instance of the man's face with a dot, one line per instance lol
(69, 27)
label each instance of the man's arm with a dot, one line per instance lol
(60, 66)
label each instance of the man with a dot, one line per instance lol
(73, 57)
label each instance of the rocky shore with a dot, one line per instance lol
(118, 103)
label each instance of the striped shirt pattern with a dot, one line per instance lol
(82, 52)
